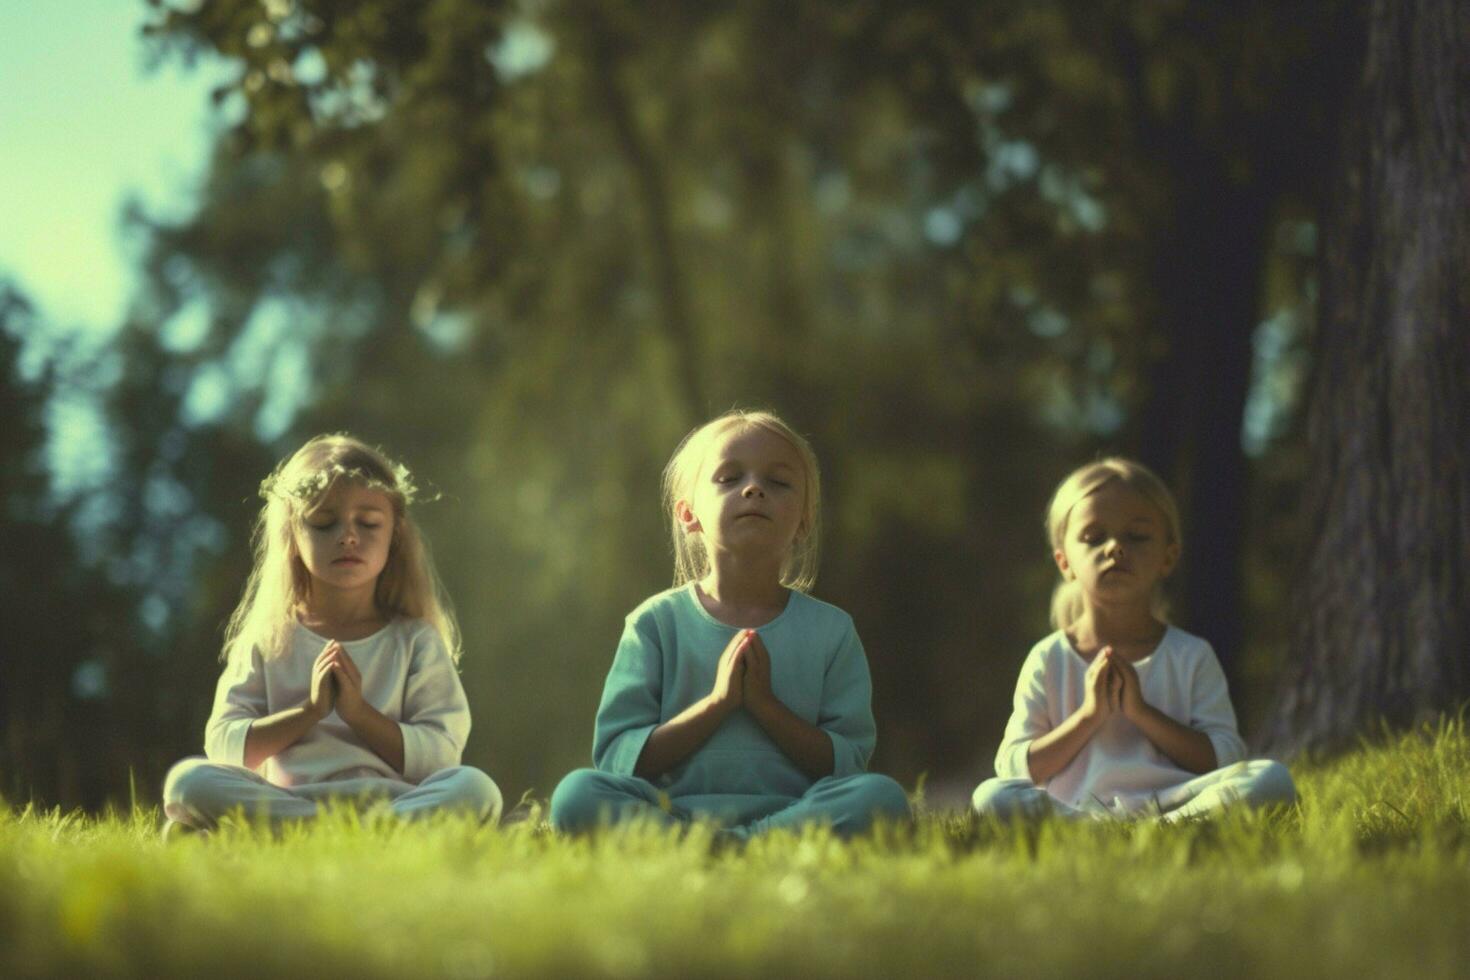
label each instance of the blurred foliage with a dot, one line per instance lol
(526, 246)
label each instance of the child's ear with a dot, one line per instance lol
(1171, 558)
(1060, 557)
(685, 515)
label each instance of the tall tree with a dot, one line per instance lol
(1382, 630)
(64, 736)
(929, 232)
(1193, 129)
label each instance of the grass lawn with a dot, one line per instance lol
(1369, 876)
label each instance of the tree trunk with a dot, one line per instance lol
(1382, 625)
(1209, 272)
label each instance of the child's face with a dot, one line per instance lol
(344, 540)
(1116, 546)
(748, 496)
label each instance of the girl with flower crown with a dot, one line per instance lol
(340, 661)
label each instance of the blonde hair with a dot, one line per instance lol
(279, 582)
(1066, 599)
(691, 560)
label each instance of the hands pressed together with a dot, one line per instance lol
(743, 677)
(1112, 688)
(336, 683)
(742, 680)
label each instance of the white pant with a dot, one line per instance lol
(198, 792)
(1258, 782)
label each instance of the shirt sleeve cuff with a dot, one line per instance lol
(424, 753)
(622, 755)
(228, 744)
(1228, 748)
(846, 760)
(1014, 762)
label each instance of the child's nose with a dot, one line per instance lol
(753, 489)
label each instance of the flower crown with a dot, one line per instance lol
(313, 485)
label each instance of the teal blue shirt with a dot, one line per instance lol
(666, 661)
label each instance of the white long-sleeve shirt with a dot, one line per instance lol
(1119, 768)
(407, 674)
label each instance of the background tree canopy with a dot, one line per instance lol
(526, 246)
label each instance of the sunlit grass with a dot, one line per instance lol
(1369, 876)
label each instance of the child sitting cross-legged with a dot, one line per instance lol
(1117, 712)
(735, 695)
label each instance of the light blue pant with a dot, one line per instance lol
(198, 792)
(1259, 782)
(588, 798)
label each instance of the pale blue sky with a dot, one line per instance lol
(83, 125)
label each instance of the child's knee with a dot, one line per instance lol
(1270, 782)
(186, 781)
(189, 790)
(1002, 797)
(883, 798)
(575, 801)
(478, 793)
